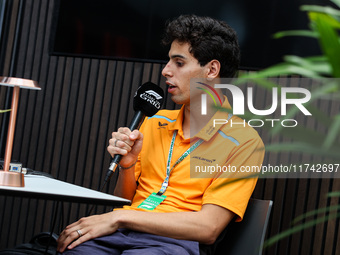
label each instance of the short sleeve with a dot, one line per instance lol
(233, 190)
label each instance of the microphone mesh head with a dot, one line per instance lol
(148, 99)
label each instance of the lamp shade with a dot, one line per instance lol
(19, 82)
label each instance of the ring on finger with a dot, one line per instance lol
(79, 232)
(115, 144)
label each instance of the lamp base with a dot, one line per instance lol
(12, 179)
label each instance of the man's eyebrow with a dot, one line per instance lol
(177, 56)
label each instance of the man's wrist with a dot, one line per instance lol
(122, 168)
(121, 218)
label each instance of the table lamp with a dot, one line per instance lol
(9, 178)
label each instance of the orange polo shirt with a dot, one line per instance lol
(188, 188)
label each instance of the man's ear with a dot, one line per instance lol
(214, 67)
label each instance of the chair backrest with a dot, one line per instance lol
(247, 237)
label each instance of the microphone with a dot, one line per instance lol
(147, 100)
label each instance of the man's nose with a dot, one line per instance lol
(166, 72)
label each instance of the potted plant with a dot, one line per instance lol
(324, 23)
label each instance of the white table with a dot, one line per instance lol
(42, 187)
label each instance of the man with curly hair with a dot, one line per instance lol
(171, 212)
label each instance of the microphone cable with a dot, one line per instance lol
(107, 179)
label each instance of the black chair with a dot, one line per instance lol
(246, 237)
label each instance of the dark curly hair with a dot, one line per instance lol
(209, 39)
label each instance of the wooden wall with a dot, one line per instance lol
(64, 129)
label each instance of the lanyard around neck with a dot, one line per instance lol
(179, 160)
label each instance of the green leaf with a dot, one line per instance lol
(263, 82)
(305, 135)
(313, 64)
(320, 116)
(306, 33)
(333, 133)
(334, 153)
(321, 9)
(299, 228)
(334, 194)
(2, 111)
(337, 2)
(283, 69)
(329, 40)
(316, 212)
(315, 94)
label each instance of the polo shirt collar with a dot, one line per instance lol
(177, 125)
(209, 130)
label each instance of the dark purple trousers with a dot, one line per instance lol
(130, 242)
